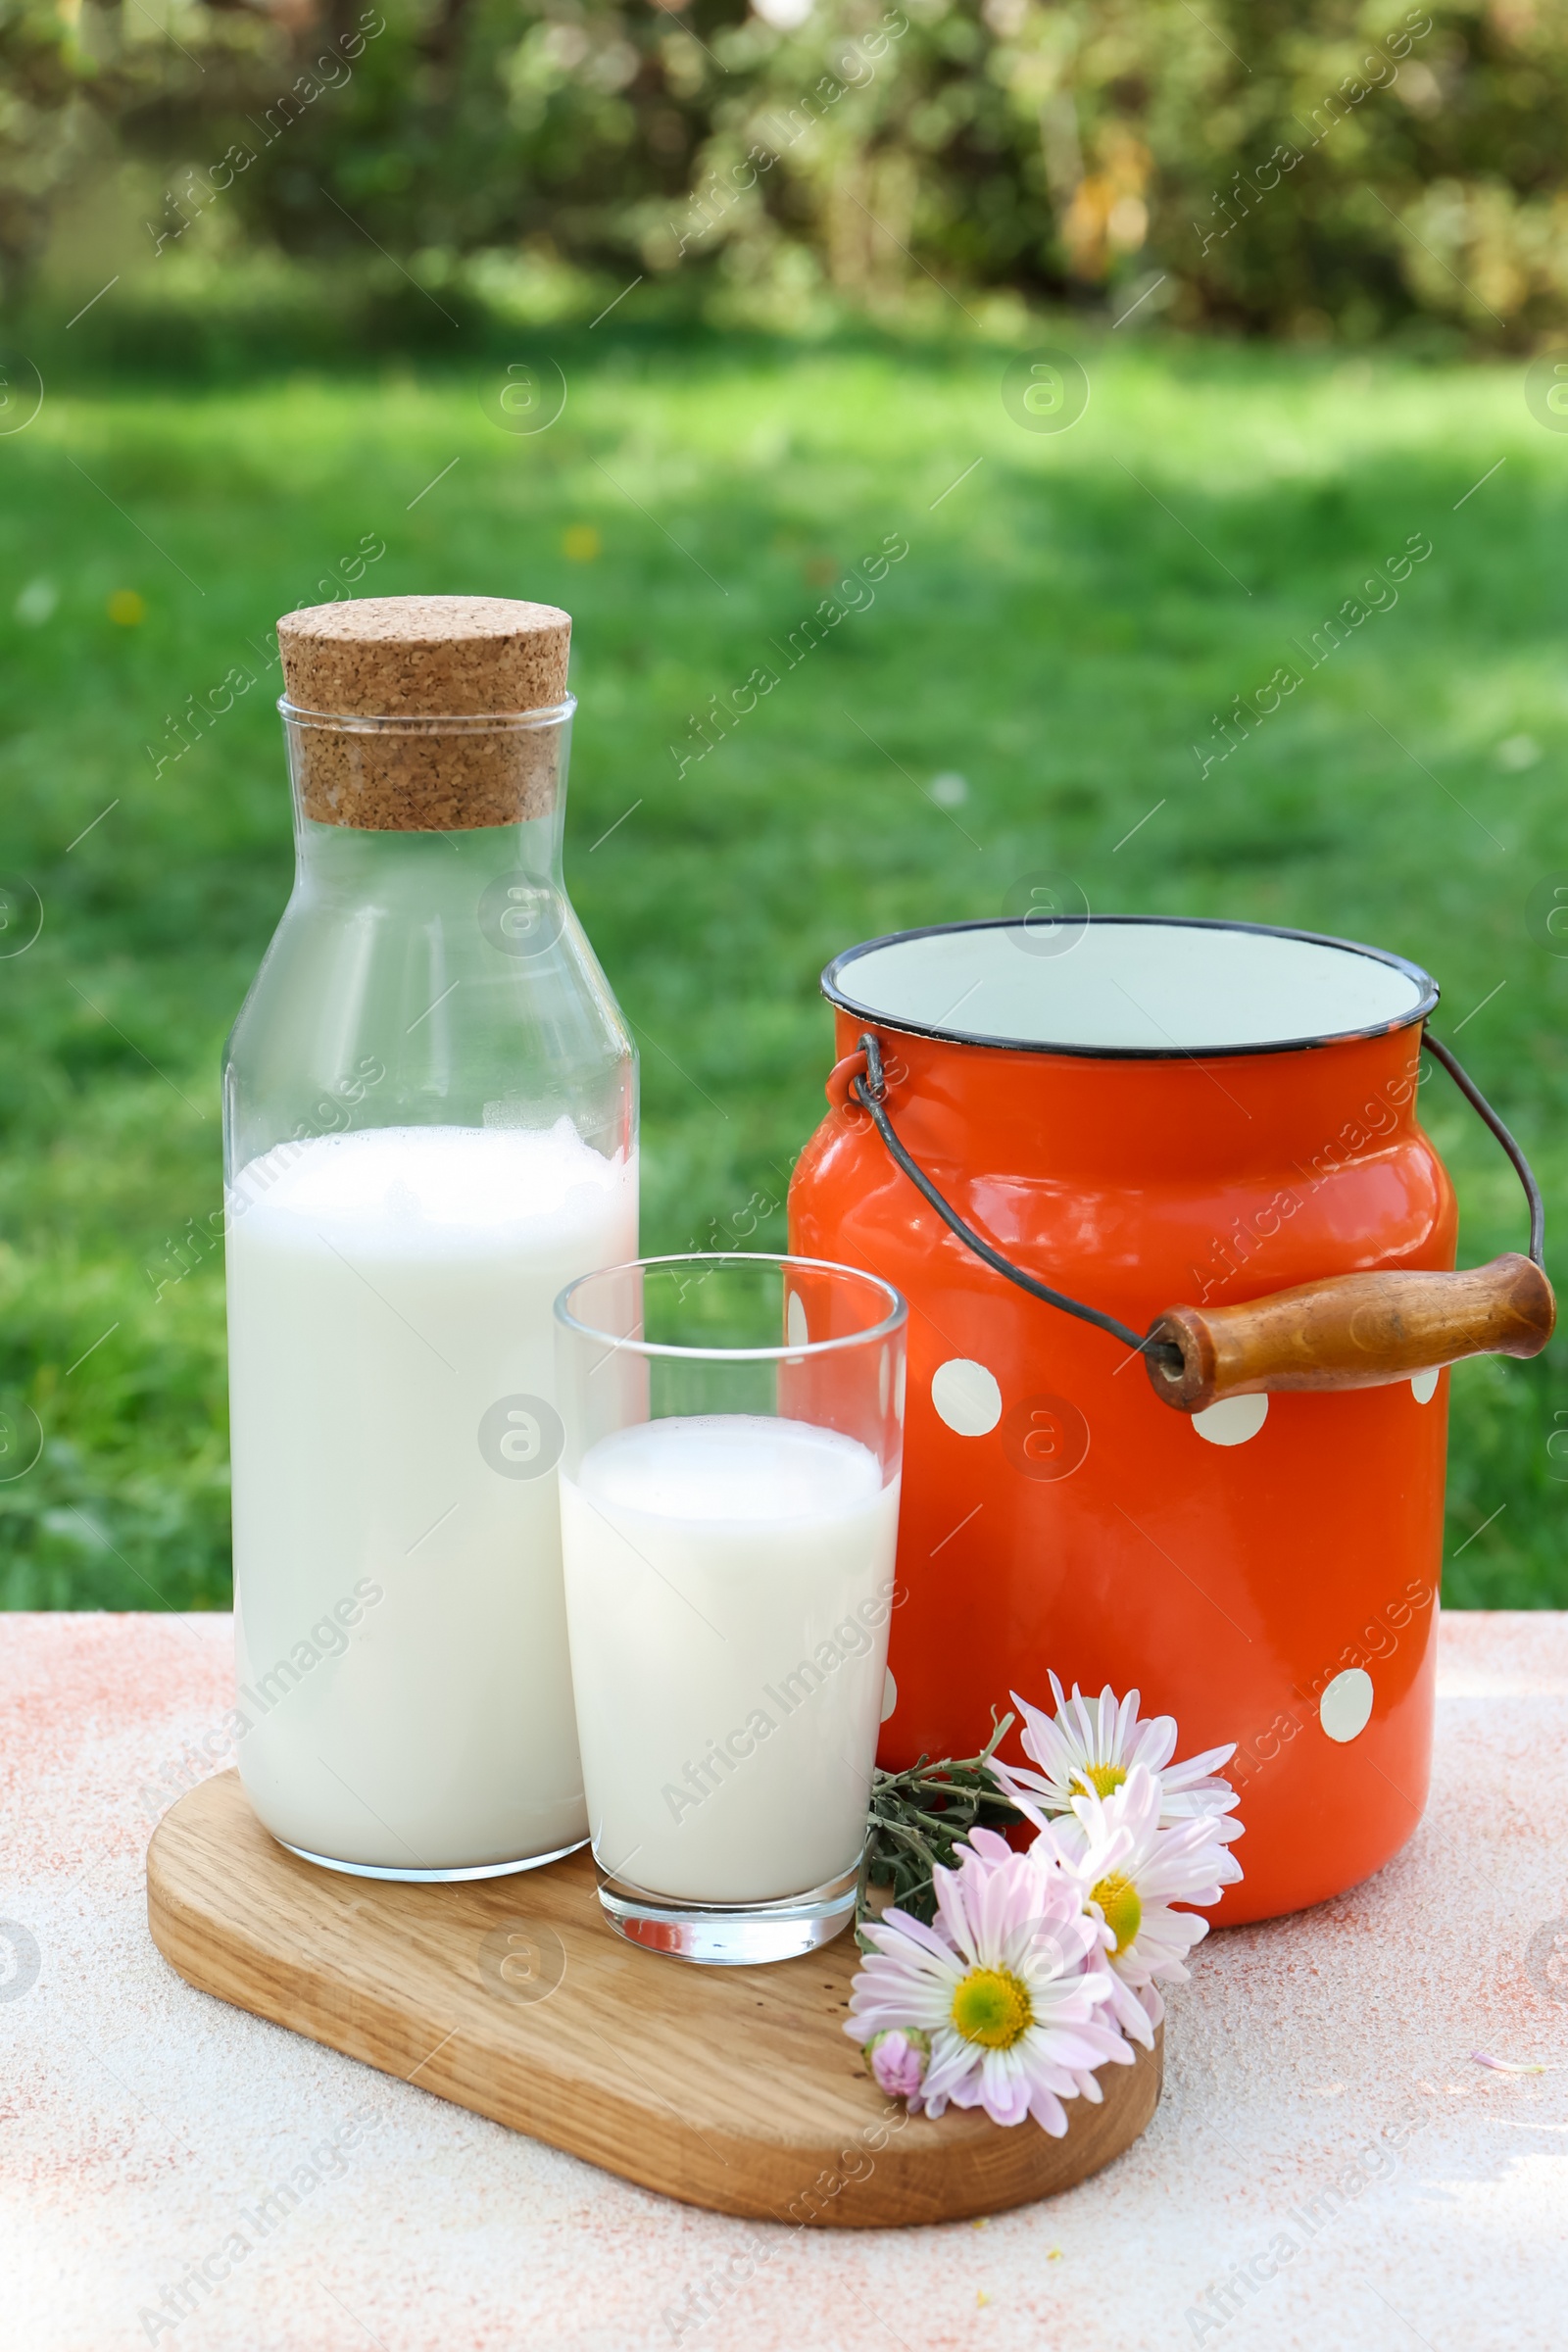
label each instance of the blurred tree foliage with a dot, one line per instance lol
(1304, 167)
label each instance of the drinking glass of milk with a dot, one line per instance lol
(430, 1125)
(729, 1502)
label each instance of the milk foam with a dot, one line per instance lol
(746, 1466)
(409, 1186)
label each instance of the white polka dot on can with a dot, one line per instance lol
(1233, 1420)
(966, 1397)
(890, 1693)
(1424, 1385)
(1345, 1706)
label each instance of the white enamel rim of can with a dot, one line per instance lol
(1129, 987)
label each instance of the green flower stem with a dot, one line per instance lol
(917, 1817)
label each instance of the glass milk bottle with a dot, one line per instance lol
(430, 1127)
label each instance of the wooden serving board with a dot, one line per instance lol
(730, 2088)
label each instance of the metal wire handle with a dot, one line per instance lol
(1522, 1168)
(870, 1093)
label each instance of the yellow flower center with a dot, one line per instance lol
(1117, 1898)
(991, 2006)
(1101, 1777)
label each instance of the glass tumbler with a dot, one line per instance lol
(729, 1498)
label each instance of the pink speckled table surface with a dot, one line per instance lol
(1329, 2166)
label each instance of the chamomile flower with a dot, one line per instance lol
(1090, 1746)
(1130, 1871)
(1008, 1987)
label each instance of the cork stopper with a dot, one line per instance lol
(437, 669)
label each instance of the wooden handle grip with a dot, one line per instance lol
(1356, 1330)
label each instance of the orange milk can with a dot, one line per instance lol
(1045, 1133)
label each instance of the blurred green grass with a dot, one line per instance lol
(1072, 612)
